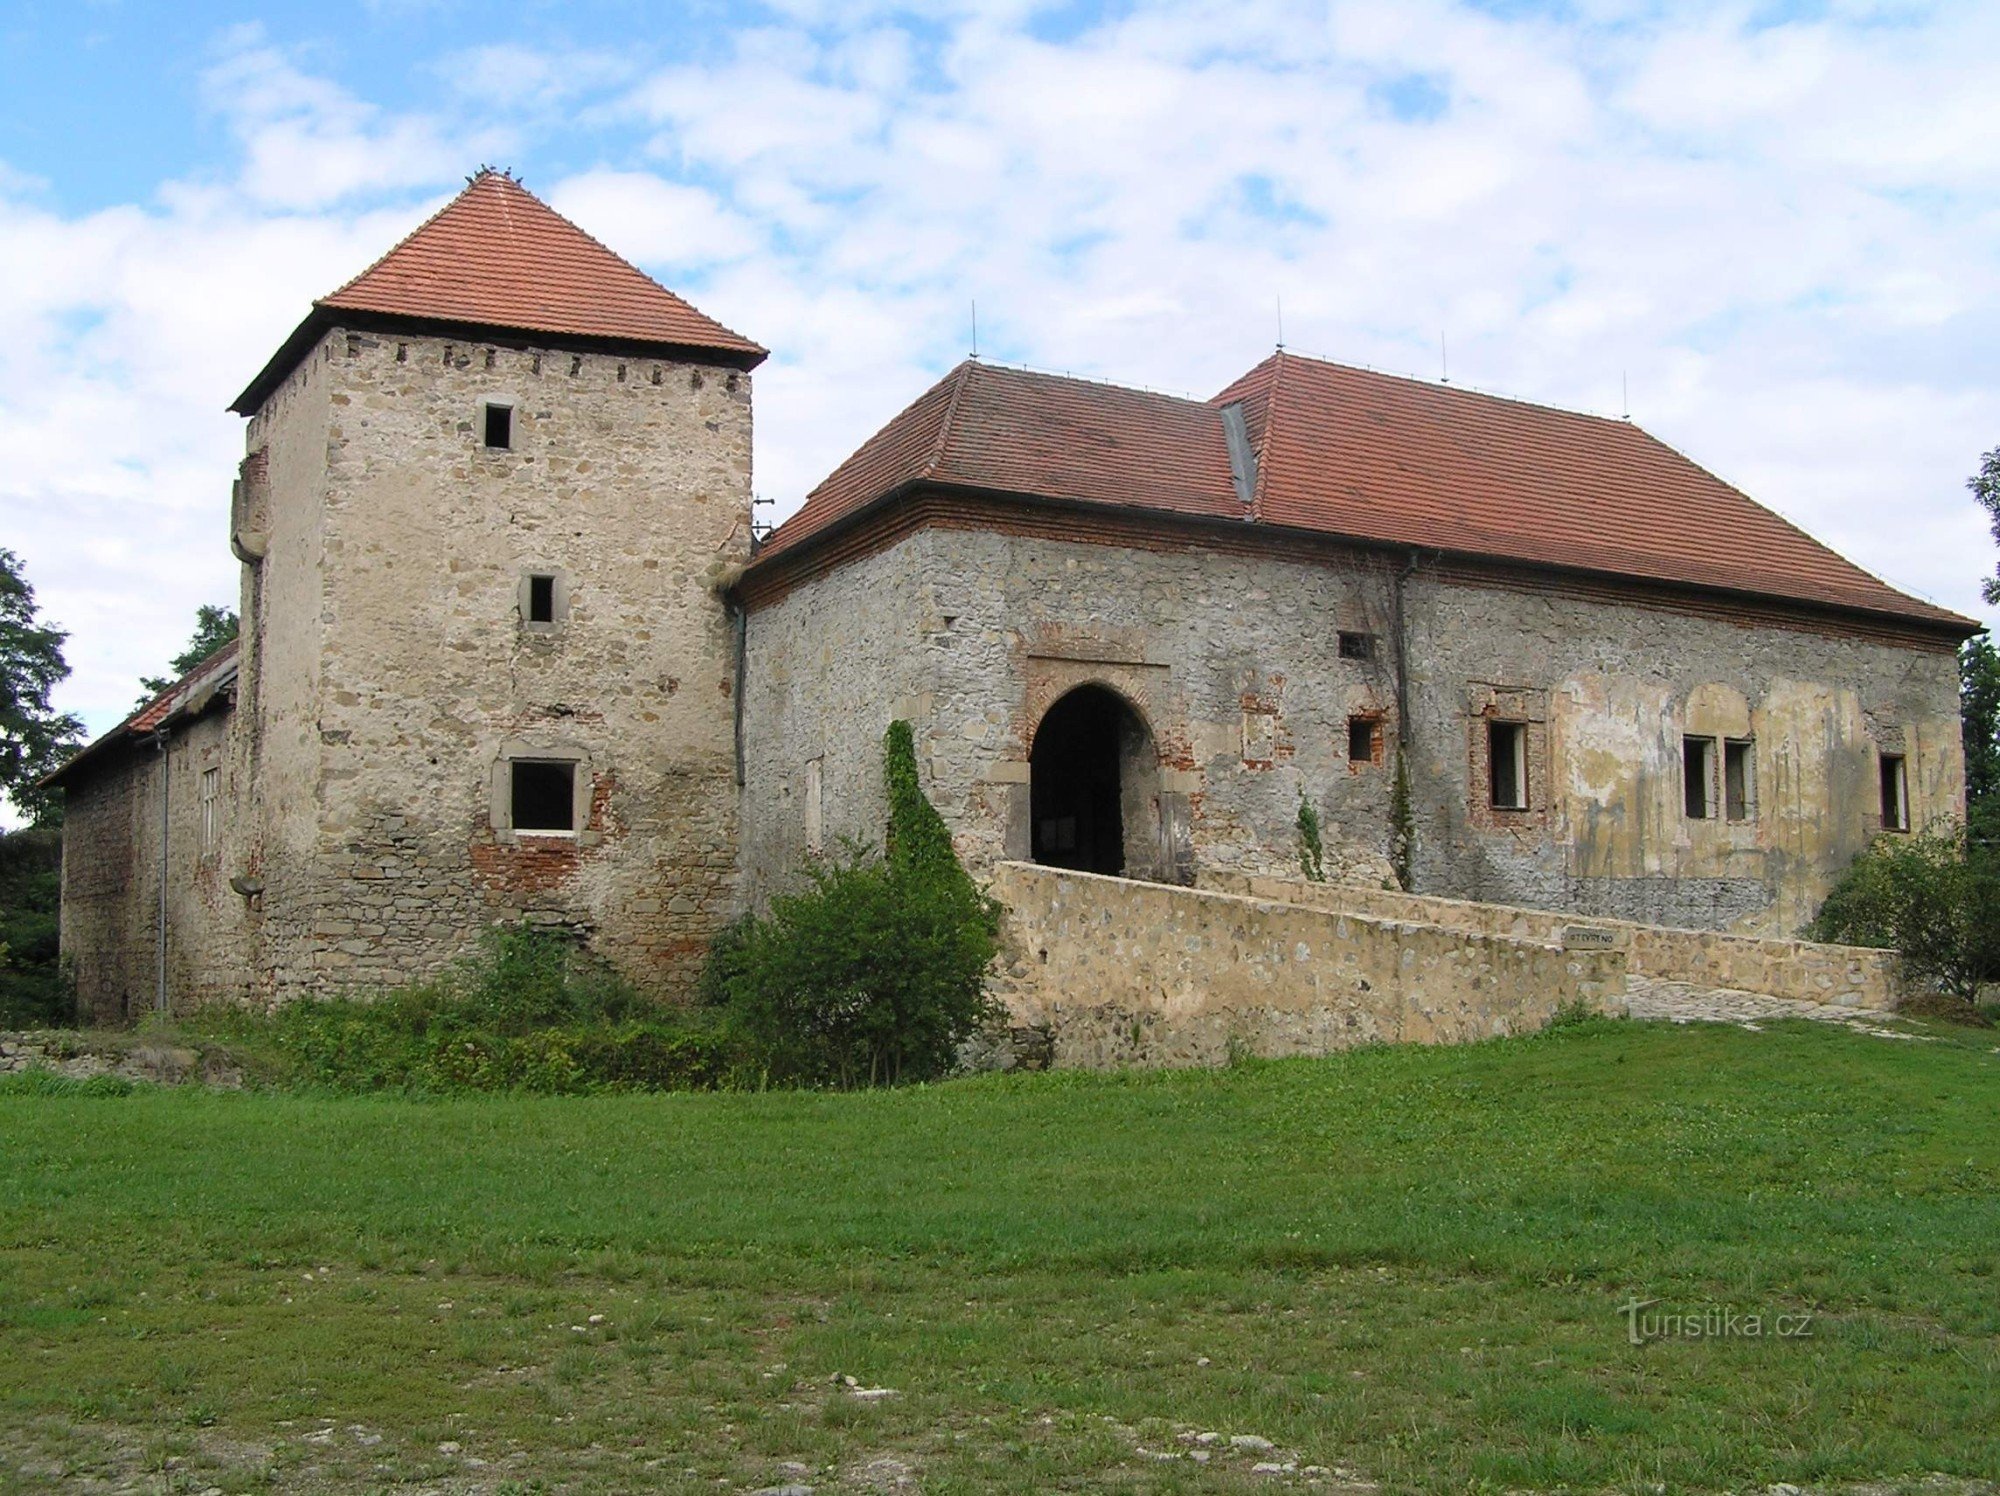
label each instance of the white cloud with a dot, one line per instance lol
(1783, 237)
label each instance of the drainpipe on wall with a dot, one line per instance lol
(1403, 829)
(160, 942)
(741, 618)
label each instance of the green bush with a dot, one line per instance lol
(876, 971)
(1933, 898)
(530, 1012)
(1312, 851)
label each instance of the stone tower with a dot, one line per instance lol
(487, 674)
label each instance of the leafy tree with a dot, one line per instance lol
(1985, 486)
(34, 737)
(1933, 898)
(1979, 716)
(32, 989)
(214, 627)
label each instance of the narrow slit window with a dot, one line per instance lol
(1698, 777)
(1507, 764)
(1738, 780)
(543, 796)
(499, 426)
(1356, 646)
(1895, 793)
(541, 599)
(1361, 739)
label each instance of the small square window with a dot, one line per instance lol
(1363, 735)
(1356, 646)
(1698, 777)
(499, 424)
(541, 599)
(1738, 780)
(1895, 793)
(542, 796)
(1507, 765)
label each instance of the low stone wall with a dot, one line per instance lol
(1801, 970)
(1127, 973)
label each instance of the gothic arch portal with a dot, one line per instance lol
(1094, 787)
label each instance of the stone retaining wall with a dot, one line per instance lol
(1128, 973)
(1800, 970)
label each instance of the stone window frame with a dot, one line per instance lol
(500, 789)
(1528, 708)
(1892, 780)
(559, 599)
(1377, 725)
(208, 796)
(502, 400)
(1743, 749)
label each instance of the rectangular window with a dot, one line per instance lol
(1362, 739)
(542, 796)
(541, 599)
(211, 808)
(499, 424)
(1698, 777)
(1356, 646)
(1507, 764)
(1895, 794)
(815, 807)
(1738, 780)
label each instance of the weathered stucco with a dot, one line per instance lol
(1230, 657)
(1127, 973)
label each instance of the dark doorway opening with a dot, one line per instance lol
(1078, 768)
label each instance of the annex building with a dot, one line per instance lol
(510, 651)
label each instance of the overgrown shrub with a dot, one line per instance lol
(1312, 851)
(531, 1011)
(1932, 898)
(874, 972)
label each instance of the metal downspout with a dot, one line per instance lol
(160, 941)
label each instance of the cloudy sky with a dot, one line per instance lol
(1770, 231)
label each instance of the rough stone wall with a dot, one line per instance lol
(1127, 973)
(1797, 970)
(111, 881)
(1233, 662)
(396, 675)
(828, 668)
(1608, 692)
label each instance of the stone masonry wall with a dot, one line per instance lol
(383, 767)
(1127, 973)
(111, 881)
(1798, 970)
(1233, 662)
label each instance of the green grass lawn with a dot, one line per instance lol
(1403, 1266)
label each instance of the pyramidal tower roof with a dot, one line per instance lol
(498, 258)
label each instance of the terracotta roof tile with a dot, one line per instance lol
(191, 693)
(1353, 454)
(497, 256)
(1011, 431)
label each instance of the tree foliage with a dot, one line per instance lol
(32, 989)
(34, 737)
(1979, 717)
(214, 626)
(1933, 898)
(874, 972)
(1985, 486)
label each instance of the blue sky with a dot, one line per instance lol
(1777, 227)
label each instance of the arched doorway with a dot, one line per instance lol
(1094, 787)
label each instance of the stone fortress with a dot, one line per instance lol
(510, 649)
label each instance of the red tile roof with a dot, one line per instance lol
(1357, 455)
(1009, 431)
(497, 256)
(188, 696)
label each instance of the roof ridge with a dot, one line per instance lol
(963, 377)
(1264, 446)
